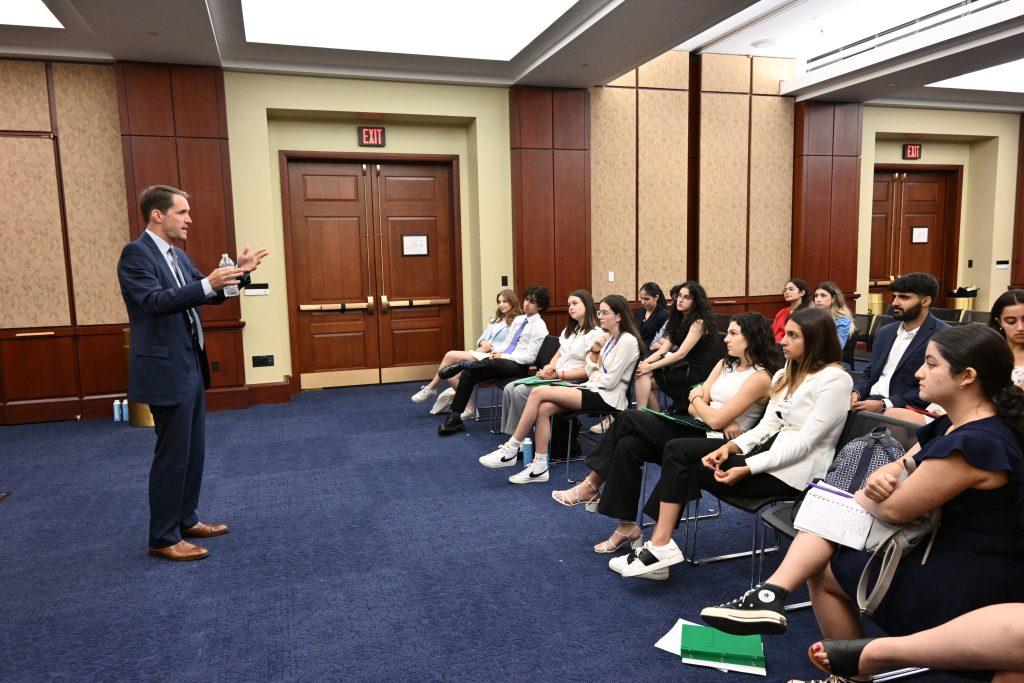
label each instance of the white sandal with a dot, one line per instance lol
(571, 497)
(605, 547)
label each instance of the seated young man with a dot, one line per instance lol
(511, 361)
(899, 347)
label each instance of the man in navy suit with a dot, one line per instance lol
(898, 351)
(163, 291)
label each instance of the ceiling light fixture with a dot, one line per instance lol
(764, 43)
(27, 13)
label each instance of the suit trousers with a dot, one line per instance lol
(634, 437)
(513, 403)
(683, 476)
(483, 371)
(176, 474)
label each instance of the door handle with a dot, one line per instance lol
(369, 303)
(412, 303)
(384, 305)
(340, 307)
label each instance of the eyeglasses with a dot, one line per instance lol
(602, 314)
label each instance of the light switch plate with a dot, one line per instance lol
(611, 276)
(256, 292)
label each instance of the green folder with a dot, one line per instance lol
(679, 419)
(710, 645)
(534, 381)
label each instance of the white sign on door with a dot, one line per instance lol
(414, 245)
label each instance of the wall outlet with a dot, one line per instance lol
(970, 263)
(214, 366)
(611, 276)
(262, 361)
(504, 280)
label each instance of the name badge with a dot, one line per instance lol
(785, 406)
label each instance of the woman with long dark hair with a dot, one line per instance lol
(608, 364)
(969, 465)
(651, 315)
(797, 297)
(567, 363)
(687, 353)
(809, 402)
(1007, 319)
(730, 402)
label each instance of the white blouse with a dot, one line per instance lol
(611, 374)
(572, 349)
(728, 385)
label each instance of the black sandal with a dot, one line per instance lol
(843, 656)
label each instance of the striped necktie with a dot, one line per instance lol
(190, 314)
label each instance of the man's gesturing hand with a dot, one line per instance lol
(222, 277)
(250, 261)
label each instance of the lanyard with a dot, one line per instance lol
(607, 348)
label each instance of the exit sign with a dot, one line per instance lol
(912, 150)
(371, 137)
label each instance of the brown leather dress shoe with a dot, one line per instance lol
(182, 551)
(204, 530)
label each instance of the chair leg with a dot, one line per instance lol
(493, 416)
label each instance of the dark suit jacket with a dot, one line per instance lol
(161, 341)
(903, 385)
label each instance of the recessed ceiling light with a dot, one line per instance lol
(467, 29)
(27, 13)
(1007, 77)
(764, 43)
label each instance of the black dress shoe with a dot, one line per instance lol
(453, 423)
(449, 371)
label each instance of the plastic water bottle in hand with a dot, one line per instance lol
(226, 262)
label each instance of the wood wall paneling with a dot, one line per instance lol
(33, 277)
(93, 180)
(197, 94)
(725, 73)
(24, 102)
(846, 130)
(148, 105)
(724, 132)
(570, 123)
(771, 196)
(662, 186)
(531, 117)
(102, 360)
(40, 379)
(813, 128)
(812, 197)
(844, 210)
(571, 227)
(613, 191)
(154, 161)
(670, 70)
(536, 207)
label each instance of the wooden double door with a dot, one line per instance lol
(372, 255)
(915, 226)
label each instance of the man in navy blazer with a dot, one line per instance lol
(898, 350)
(163, 291)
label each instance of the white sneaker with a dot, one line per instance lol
(505, 456)
(617, 564)
(651, 557)
(443, 401)
(602, 426)
(527, 476)
(424, 395)
(469, 414)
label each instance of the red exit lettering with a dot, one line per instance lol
(371, 137)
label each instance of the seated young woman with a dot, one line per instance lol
(567, 363)
(793, 443)
(652, 314)
(969, 465)
(829, 298)
(496, 331)
(686, 354)
(1006, 318)
(797, 297)
(609, 363)
(730, 402)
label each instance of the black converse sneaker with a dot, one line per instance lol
(761, 610)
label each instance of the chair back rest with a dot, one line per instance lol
(722, 321)
(946, 314)
(851, 347)
(548, 349)
(973, 316)
(880, 322)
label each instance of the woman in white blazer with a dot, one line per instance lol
(609, 366)
(793, 443)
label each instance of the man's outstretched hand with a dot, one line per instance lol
(250, 261)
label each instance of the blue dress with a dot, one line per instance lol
(978, 556)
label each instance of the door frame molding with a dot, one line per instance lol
(950, 261)
(287, 156)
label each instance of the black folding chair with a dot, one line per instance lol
(547, 351)
(948, 315)
(973, 316)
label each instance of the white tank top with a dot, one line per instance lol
(728, 385)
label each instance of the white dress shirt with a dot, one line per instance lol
(899, 346)
(808, 423)
(529, 342)
(165, 248)
(573, 348)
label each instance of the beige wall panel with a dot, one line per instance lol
(94, 192)
(670, 70)
(723, 193)
(771, 193)
(33, 283)
(662, 186)
(24, 103)
(724, 73)
(769, 72)
(626, 80)
(613, 191)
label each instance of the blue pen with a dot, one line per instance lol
(844, 494)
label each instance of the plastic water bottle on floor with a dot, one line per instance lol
(527, 452)
(226, 262)
(117, 411)
(124, 410)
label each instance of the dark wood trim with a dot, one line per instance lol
(270, 392)
(25, 134)
(693, 173)
(227, 398)
(636, 186)
(456, 218)
(43, 410)
(750, 145)
(57, 331)
(100, 406)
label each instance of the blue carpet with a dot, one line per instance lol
(362, 546)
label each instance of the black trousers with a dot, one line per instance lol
(176, 474)
(634, 437)
(683, 476)
(483, 371)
